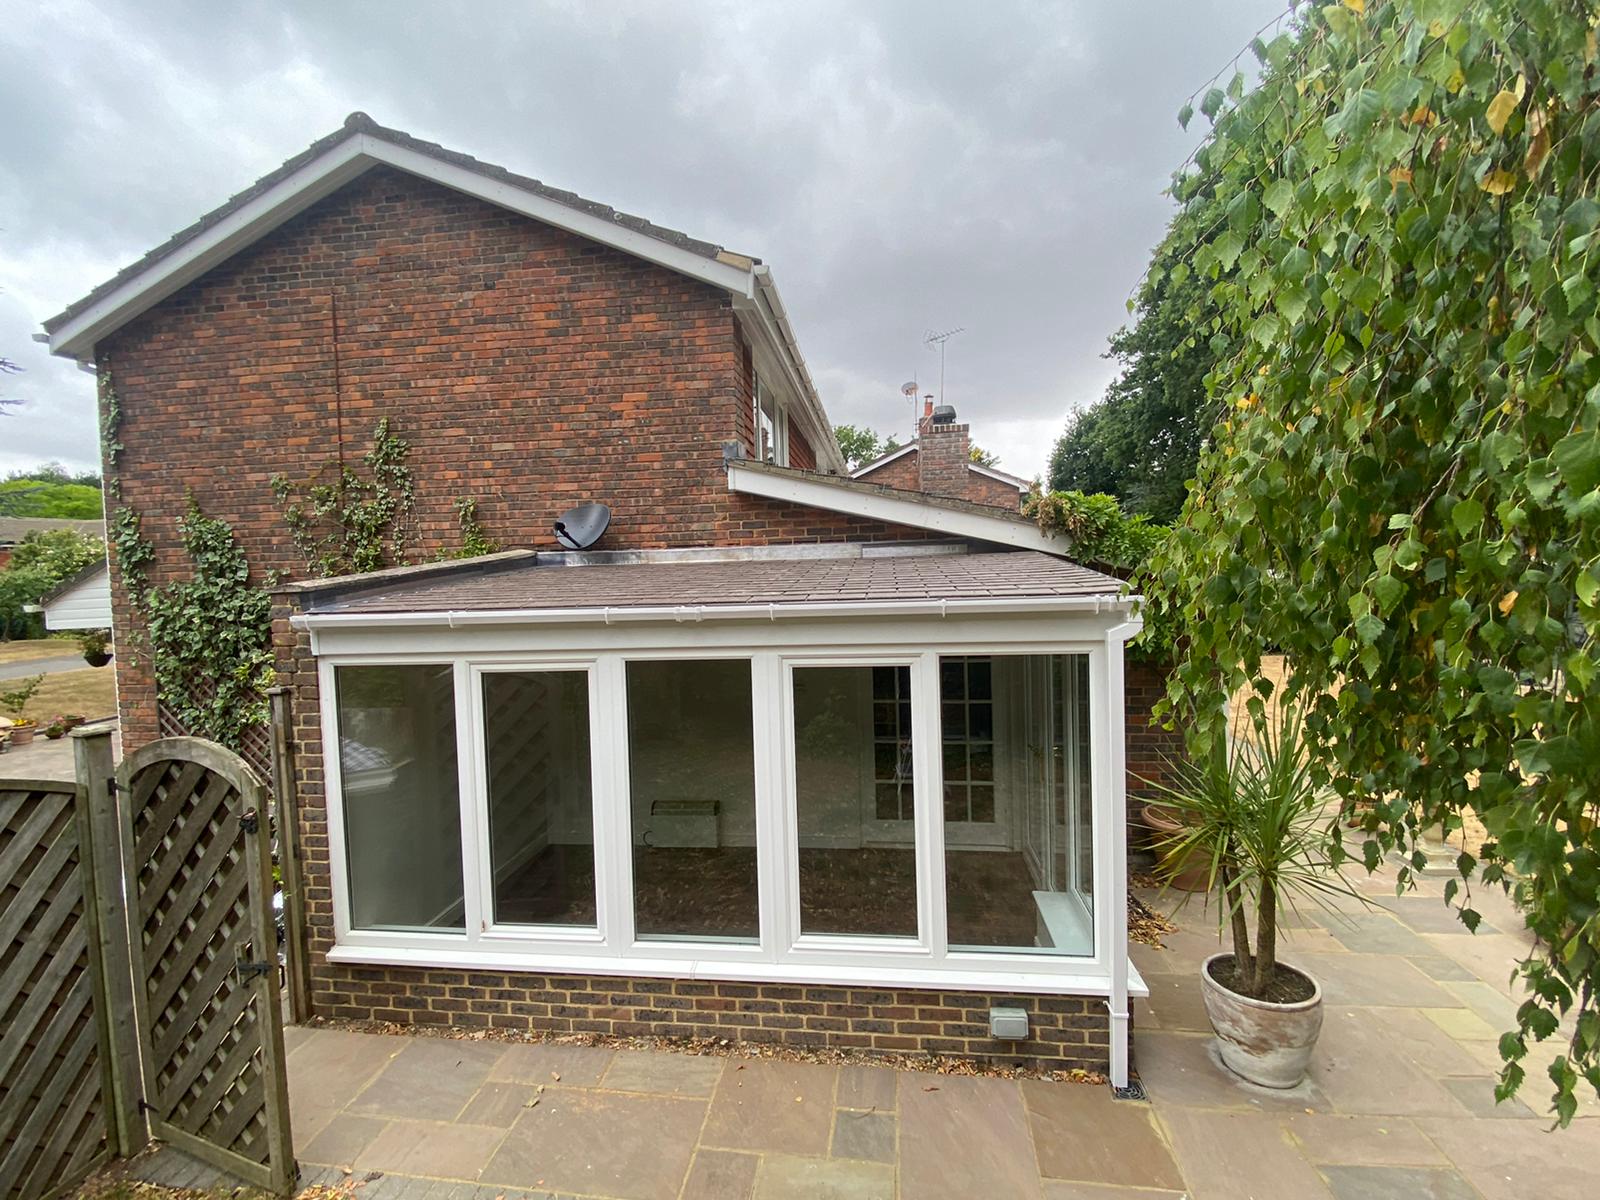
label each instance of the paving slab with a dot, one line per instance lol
(1239, 1156)
(1493, 1006)
(1476, 1094)
(869, 1087)
(1516, 1160)
(1330, 1138)
(788, 1177)
(1374, 980)
(1398, 1183)
(1363, 1068)
(1177, 1003)
(866, 1135)
(431, 1079)
(331, 1065)
(721, 1175)
(552, 1062)
(634, 1147)
(962, 1137)
(341, 1140)
(1184, 1070)
(435, 1149)
(1492, 957)
(662, 1074)
(1440, 968)
(1059, 1189)
(1430, 914)
(1080, 1132)
(1374, 933)
(499, 1103)
(771, 1105)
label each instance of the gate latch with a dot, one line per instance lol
(249, 970)
(248, 821)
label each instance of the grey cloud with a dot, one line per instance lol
(902, 166)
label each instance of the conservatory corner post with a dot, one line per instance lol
(1116, 705)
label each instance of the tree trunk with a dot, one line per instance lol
(1266, 938)
(1243, 961)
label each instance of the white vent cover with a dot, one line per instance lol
(1008, 1024)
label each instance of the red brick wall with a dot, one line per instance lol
(907, 474)
(981, 489)
(529, 368)
(801, 455)
(900, 473)
(942, 459)
(1151, 750)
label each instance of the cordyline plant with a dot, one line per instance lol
(1400, 226)
(1251, 819)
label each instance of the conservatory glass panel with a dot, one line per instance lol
(691, 774)
(1020, 761)
(402, 812)
(541, 797)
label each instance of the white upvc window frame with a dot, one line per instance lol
(766, 403)
(773, 649)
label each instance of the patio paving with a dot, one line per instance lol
(1399, 1102)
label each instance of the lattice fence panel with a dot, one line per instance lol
(53, 1112)
(205, 1069)
(255, 744)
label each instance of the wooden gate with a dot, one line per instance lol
(54, 1053)
(196, 846)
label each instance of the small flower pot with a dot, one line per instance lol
(1263, 1043)
(1162, 824)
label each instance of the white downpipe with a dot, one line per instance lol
(1117, 1002)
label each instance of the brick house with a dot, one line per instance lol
(939, 462)
(787, 754)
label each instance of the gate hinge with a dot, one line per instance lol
(249, 970)
(249, 822)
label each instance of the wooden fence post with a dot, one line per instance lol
(115, 927)
(286, 816)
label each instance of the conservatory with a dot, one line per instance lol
(901, 769)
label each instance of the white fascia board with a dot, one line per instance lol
(327, 173)
(859, 472)
(696, 613)
(894, 509)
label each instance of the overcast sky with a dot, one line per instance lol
(904, 167)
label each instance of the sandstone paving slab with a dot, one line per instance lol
(721, 1175)
(1064, 1189)
(1377, 980)
(1424, 1041)
(1374, 933)
(1176, 1002)
(1397, 1183)
(862, 1086)
(1239, 1156)
(964, 1137)
(499, 1103)
(791, 1177)
(1430, 914)
(435, 1149)
(430, 1079)
(1333, 1139)
(1492, 957)
(543, 1062)
(1462, 1024)
(341, 1140)
(1494, 1007)
(1440, 968)
(871, 1136)
(662, 1074)
(1183, 1070)
(1521, 1160)
(771, 1105)
(1080, 1132)
(595, 1143)
(1362, 1068)
(330, 1066)
(1476, 1095)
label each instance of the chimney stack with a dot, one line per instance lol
(943, 452)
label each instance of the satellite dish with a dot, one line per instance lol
(582, 527)
(909, 389)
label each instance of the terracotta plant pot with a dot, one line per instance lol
(21, 735)
(1161, 823)
(1263, 1043)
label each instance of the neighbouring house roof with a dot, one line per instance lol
(920, 510)
(764, 587)
(82, 575)
(361, 144)
(14, 529)
(1016, 481)
(884, 460)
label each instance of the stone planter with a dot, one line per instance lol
(1158, 819)
(1264, 1043)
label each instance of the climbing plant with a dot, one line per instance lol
(210, 635)
(110, 427)
(1398, 228)
(475, 540)
(345, 522)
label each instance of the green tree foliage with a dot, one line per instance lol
(1398, 226)
(983, 458)
(1140, 441)
(49, 491)
(39, 562)
(861, 445)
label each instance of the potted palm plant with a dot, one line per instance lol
(1251, 817)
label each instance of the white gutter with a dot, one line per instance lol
(1117, 1002)
(773, 312)
(692, 613)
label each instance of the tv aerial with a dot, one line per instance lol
(941, 339)
(581, 527)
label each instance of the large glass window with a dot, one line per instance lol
(853, 755)
(1022, 768)
(541, 796)
(691, 775)
(402, 812)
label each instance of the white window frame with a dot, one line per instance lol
(773, 649)
(766, 401)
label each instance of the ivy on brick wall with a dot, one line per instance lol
(475, 540)
(209, 636)
(110, 428)
(345, 521)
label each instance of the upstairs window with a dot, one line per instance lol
(772, 427)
